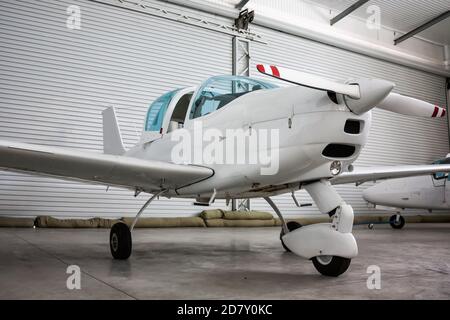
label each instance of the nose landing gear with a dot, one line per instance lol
(397, 221)
(330, 246)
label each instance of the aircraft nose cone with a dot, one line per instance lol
(376, 193)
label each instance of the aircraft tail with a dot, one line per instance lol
(112, 139)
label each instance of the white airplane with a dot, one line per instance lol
(429, 192)
(317, 127)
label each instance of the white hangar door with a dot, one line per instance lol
(394, 139)
(55, 81)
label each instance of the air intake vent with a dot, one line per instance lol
(352, 127)
(338, 151)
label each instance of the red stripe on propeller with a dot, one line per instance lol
(260, 68)
(443, 113)
(436, 110)
(275, 71)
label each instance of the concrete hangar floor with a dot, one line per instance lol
(222, 263)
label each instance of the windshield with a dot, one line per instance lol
(216, 92)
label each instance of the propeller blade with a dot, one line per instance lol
(361, 96)
(410, 106)
(309, 80)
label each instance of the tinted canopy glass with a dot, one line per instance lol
(216, 92)
(157, 110)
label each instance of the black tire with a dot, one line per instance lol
(120, 241)
(397, 224)
(331, 266)
(292, 225)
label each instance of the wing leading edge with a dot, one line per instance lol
(362, 175)
(128, 172)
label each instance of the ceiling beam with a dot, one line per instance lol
(423, 27)
(347, 11)
(241, 4)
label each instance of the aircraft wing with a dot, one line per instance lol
(361, 175)
(128, 172)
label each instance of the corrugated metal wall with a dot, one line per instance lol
(55, 82)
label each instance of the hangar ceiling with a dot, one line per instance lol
(404, 15)
(400, 15)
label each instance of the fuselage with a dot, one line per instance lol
(299, 133)
(422, 192)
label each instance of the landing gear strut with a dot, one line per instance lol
(286, 227)
(120, 241)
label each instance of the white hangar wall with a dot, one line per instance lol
(55, 82)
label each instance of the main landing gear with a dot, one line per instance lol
(120, 241)
(330, 246)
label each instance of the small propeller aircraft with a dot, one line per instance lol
(318, 128)
(430, 192)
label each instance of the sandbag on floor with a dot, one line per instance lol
(247, 215)
(166, 222)
(50, 222)
(211, 214)
(10, 222)
(221, 223)
(432, 218)
(365, 219)
(107, 223)
(304, 221)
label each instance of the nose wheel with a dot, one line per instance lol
(331, 266)
(120, 241)
(397, 221)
